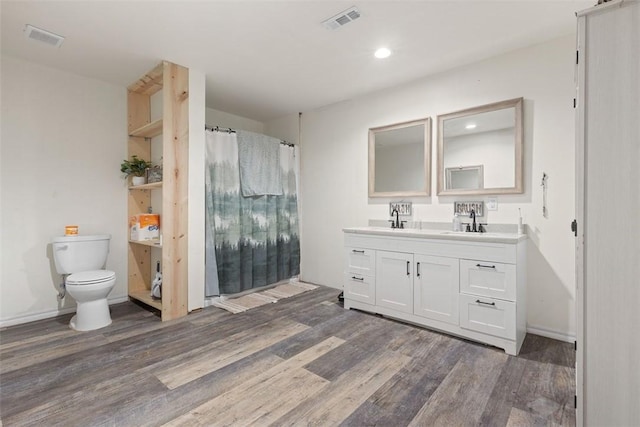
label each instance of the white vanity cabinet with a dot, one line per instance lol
(472, 286)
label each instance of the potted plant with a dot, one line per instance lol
(136, 168)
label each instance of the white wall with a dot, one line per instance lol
(63, 139)
(334, 169)
(286, 128)
(227, 120)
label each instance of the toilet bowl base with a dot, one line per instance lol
(91, 315)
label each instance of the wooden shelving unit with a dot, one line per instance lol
(153, 243)
(151, 186)
(173, 80)
(149, 130)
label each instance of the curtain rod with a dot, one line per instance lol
(229, 130)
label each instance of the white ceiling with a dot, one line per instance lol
(265, 59)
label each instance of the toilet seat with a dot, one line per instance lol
(90, 277)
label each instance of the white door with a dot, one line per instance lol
(608, 202)
(435, 288)
(394, 280)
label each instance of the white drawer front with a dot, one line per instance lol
(359, 287)
(490, 279)
(487, 315)
(361, 261)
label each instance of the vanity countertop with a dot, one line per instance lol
(438, 234)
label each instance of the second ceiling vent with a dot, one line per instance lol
(343, 18)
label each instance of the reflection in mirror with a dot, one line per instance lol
(465, 177)
(399, 162)
(484, 144)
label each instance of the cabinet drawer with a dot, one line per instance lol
(488, 315)
(358, 287)
(490, 279)
(361, 261)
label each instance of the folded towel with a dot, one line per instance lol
(259, 161)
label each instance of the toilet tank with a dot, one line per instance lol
(73, 254)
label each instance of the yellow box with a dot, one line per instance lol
(144, 227)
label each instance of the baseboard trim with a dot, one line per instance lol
(18, 320)
(556, 335)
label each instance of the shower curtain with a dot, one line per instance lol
(250, 241)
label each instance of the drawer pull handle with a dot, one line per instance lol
(486, 266)
(355, 251)
(485, 303)
(408, 268)
(418, 269)
(358, 278)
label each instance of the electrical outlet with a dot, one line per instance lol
(492, 204)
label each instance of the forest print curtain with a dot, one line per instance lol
(250, 241)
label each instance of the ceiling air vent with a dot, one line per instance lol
(342, 18)
(44, 36)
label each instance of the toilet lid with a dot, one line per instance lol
(90, 277)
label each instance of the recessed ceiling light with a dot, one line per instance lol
(470, 126)
(383, 52)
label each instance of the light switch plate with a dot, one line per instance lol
(492, 204)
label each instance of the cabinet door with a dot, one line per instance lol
(394, 280)
(436, 287)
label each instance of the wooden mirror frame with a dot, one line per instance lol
(518, 160)
(426, 122)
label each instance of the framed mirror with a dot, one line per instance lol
(480, 150)
(399, 159)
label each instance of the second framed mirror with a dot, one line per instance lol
(480, 150)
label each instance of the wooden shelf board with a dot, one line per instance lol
(155, 243)
(150, 83)
(149, 130)
(150, 186)
(145, 297)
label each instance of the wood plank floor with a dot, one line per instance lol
(301, 361)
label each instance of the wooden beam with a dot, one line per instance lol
(175, 129)
(150, 83)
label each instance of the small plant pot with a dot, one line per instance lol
(137, 180)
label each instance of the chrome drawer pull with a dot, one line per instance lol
(358, 278)
(355, 251)
(486, 266)
(485, 303)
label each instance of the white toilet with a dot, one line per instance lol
(81, 260)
